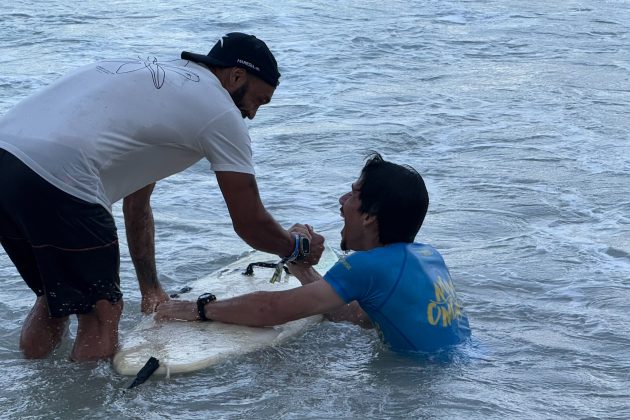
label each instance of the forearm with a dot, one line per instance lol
(264, 309)
(141, 242)
(250, 219)
(263, 233)
(140, 230)
(258, 309)
(304, 274)
(350, 312)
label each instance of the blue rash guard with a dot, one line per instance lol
(406, 290)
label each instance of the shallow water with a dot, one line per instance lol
(515, 113)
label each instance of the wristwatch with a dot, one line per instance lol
(201, 303)
(302, 249)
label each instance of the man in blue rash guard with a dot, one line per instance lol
(401, 287)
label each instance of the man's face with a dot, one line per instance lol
(353, 231)
(251, 95)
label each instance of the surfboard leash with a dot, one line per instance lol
(249, 271)
(301, 250)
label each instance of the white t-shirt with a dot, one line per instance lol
(110, 128)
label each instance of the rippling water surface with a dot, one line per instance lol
(515, 112)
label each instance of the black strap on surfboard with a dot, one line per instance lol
(249, 271)
(145, 373)
(184, 289)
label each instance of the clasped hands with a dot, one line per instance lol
(316, 240)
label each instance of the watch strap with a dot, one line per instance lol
(201, 303)
(300, 250)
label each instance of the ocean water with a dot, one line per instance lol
(516, 113)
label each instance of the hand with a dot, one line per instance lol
(177, 310)
(151, 299)
(303, 272)
(317, 247)
(316, 240)
(301, 229)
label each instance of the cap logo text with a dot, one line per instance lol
(247, 63)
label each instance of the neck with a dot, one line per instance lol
(370, 241)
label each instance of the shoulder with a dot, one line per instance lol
(424, 252)
(383, 260)
(162, 76)
(374, 260)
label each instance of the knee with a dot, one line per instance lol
(38, 339)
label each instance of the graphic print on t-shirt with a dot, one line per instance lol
(445, 308)
(157, 69)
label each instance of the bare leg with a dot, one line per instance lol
(41, 333)
(97, 332)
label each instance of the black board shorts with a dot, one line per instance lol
(65, 248)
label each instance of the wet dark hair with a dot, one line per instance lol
(396, 195)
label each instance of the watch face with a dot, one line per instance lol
(306, 246)
(206, 297)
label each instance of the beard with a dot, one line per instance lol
(343, 244)
(238, 95)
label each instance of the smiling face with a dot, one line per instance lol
(391, 208)
(360, 230)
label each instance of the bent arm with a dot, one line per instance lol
(140, 230)
(259, 309)
(250, 219)
(350, 312)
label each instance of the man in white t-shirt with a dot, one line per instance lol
(109, 131)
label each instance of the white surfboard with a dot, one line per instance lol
(189, 346)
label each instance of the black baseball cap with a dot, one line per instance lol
(237, 49)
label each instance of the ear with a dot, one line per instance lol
(370, 228)
(369, 220)
(237, 77)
